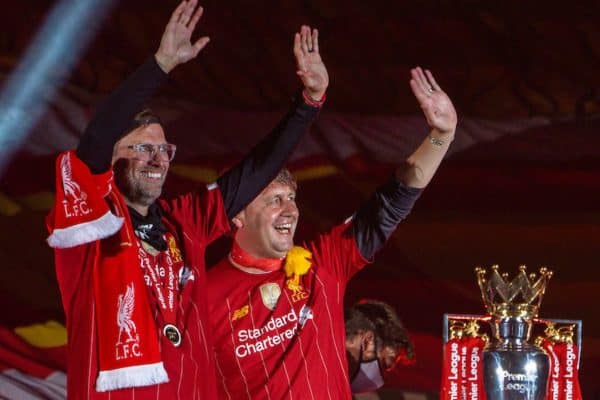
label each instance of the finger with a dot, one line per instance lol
(299, 53)
(177, 13)
(309, 40)
(315, 37)
(303, 38)
(432, 81)
(297, 46)
(423, 80)
(200, 44)
(419, 77)
(417, 90)
(187, 12)
(196, 18)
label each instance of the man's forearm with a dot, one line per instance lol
(377, 219)
(420, 166)
(241, 184)
(115, 115)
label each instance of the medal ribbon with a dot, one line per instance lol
(163, 281)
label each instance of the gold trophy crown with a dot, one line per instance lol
(520, 297)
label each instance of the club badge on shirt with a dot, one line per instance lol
(295, 286)
(270, 292)
(174, 251)
(297, 264)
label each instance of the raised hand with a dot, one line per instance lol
(435, 103)
(310, 66)
(176, 46)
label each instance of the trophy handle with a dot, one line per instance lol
(577, 322)
(486, 318)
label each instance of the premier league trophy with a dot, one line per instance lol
(513, 369)
(510, 366)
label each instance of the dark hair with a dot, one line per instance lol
(356, 321)
(143, 118)
(381, 318)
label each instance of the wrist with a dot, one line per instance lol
(315, 99)
(440, 139)
(167, 64)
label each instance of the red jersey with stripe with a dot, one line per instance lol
(194, 220)
(280, 338)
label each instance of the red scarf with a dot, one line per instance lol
(80, 213)
(128, 347)
(244, 259)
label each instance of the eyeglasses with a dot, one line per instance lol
(147, 151)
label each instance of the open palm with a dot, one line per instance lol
(310, 66)
(176, 45)
(435, 103)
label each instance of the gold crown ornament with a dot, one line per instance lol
(519, 298)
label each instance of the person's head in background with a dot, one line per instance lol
(376, 342)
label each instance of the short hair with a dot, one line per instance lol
(285, 177)
(381, 318)
(143, 118)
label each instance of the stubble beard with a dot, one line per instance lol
(134, 191)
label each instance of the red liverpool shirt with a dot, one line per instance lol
(276, 338)
(195, 219)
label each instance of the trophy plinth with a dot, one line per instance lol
(513, 369)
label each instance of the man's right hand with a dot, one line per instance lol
(175, 45)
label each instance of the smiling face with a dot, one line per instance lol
(266, 226)
(140, 179)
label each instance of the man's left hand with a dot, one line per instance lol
(435, 103)
(311, 69)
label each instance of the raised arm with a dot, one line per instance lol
(114, 116)
(378, 218)
(240, 185)
(441, 117)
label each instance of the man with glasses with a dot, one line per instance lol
(130, 266)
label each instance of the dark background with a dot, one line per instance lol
(528, 199)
